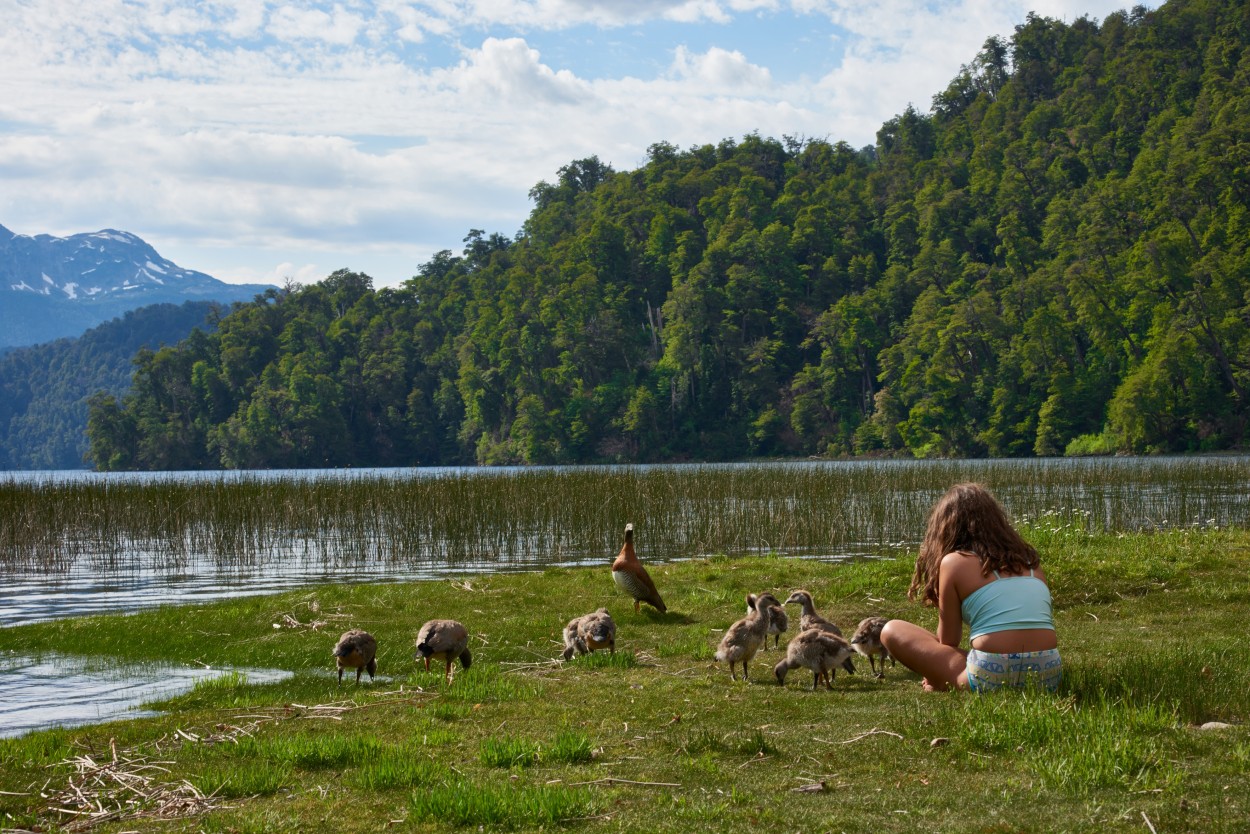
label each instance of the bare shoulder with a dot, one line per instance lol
(963, 571)
(961, 564)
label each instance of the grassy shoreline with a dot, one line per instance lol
(658, 738)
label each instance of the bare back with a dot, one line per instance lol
(959, 578)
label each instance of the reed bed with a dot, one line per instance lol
(475, 520)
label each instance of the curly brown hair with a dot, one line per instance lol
(968, 519)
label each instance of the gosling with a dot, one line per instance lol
(744, 638)
(357, 650)
(445, 640)
(820, 651)
(589, 632)
(778, 622)
(810, 619)
(867, 641)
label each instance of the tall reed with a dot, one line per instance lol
(470, 520)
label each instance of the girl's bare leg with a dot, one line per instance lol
(919, 650)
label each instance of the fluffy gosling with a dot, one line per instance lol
(821, 651)
(589, 632)
(357, 650)
(778, 622)
(743, 639)
(445, 640)
(867, 641)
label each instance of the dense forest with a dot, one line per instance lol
(44, 389)
(1052, 259)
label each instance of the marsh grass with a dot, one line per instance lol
(228, 683)
(471, 519)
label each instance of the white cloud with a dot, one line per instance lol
(339, 26)
(241, 18)
(719, 68)
(511, 69)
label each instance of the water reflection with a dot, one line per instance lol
(32, 596)
(57, 691)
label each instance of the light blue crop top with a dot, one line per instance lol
(1006, 604)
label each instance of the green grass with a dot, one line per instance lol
(463, 804)
(238, 779)
(398, 767)
(657, 737)
(508, 752)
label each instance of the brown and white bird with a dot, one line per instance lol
(778, 622)
(867, 641)
(357, 650)
(743, 639)
(810, 619)
(632, 578)
(821, 651)
(589, 632)
(445, 640)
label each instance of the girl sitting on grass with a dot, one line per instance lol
(977, 569)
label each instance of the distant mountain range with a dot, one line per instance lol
(53, 287)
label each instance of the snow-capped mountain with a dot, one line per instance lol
(60, 286)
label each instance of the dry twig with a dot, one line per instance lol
(873, 732)
(612, 780)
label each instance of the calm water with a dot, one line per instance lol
(55, 691)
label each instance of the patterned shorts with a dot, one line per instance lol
(988, 671)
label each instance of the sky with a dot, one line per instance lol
(267, 142)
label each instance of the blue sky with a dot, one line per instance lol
(265, 141)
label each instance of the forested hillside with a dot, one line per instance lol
(1054, 258)
(44, 389)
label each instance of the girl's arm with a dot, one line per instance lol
(950, 629)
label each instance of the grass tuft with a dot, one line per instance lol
(508, 752)
(313, 752)
(700, 741)
(464, 804)
(236, 779)
(571, 748)
(35, 750)
(398, 767)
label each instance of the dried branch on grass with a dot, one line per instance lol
(126, 786)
